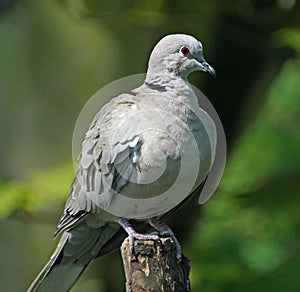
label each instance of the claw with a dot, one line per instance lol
(132, 234)
(164, 230)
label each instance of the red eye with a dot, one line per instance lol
(185, 51)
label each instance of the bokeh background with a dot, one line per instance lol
(55, 54)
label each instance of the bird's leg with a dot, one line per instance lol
(132, 234)
(164, 229)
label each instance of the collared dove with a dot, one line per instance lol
(133, 150)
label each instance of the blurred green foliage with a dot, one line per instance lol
(40, 189)
(251, 227)
(56, 54)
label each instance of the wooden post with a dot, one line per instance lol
(154, 267)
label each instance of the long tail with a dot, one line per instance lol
(75, 251)
(56, 276)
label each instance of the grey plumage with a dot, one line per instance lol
(124, 152)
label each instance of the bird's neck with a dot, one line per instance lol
(171, 84)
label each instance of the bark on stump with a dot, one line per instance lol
(154, 267)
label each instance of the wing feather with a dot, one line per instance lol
(102, 151)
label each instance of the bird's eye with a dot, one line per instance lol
(184, 51)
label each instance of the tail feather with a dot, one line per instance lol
(60, 279)
(56, 276)
(75, 251)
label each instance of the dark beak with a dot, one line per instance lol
(207, 68)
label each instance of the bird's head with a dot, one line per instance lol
(178, 54)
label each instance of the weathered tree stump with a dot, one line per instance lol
(154, 267)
